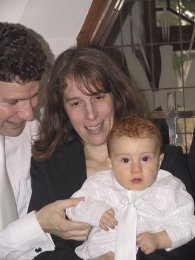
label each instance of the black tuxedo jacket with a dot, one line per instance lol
(64, 173)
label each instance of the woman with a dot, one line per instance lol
(86, 92)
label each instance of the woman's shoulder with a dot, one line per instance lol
(71, 145)
(69, 152)
(68, 149)
(175, 162)
(66, 164)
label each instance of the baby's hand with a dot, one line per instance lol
(108, 220)
(147, 242)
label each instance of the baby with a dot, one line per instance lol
(135, 204)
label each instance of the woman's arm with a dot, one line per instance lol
(52, 182)
(52, 220)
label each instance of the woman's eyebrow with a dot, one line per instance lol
(70, 98)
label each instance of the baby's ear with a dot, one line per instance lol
(161, 159)
(109, 162)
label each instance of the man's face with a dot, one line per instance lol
(17, 102)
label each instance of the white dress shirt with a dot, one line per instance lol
(24, 238)
(166, 205)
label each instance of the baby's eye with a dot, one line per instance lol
(145, 158)
(125, 160)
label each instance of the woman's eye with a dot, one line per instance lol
(99, 97)
(125, 160)
(76, 103)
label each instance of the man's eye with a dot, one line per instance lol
(125, 160)
(12, 102)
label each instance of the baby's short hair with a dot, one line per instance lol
(135, 127)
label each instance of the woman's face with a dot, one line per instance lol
(91, 116)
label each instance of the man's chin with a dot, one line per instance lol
(13, 132)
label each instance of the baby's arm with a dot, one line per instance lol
(108, 220)
(92, 208)
(149, 242)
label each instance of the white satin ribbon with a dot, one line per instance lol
(8, 209)
(126, 233)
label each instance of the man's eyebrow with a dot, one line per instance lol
(14, 98)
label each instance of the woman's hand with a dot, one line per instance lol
(52, 220)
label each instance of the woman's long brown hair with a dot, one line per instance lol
(88, 66)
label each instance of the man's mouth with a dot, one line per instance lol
(15, 125)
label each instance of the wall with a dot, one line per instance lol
(58, 21)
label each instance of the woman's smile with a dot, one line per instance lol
(96, 129)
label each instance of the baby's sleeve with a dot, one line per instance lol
(179, 221)
(92, 208)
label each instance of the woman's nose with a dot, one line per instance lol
(90, 111)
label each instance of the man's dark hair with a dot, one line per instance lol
(22, 58)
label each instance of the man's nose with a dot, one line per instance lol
(26, 111)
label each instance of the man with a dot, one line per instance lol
(22, 65)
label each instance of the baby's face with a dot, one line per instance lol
(135, 161)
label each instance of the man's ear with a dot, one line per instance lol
(161, 159)
(109, 162)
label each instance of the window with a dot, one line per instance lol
(153, 42)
